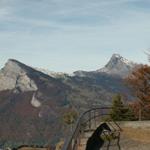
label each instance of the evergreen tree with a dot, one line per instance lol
(119, 111)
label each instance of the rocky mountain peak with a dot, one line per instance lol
(117, 58)
(118, 65)
(14, 75)
(12, 66)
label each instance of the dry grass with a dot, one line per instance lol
(34, 148)
(132, 139)
(31, 148)
(137, 134)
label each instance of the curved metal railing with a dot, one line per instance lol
(87, 121)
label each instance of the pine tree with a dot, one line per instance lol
(119, 111)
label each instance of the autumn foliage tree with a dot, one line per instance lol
(139, 81)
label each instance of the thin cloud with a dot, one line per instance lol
(56, 29)
(50, 13)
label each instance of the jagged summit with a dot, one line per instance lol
(118, 65)
(115, 57)
(118, 57)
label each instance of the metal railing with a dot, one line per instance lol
(86, 122)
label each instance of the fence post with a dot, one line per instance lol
(89, 119)
(140, 114)
(95, 118)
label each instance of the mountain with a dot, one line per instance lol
(31, 105)
(32, 102)
(118, 65)
(96, 88)
(15, 76)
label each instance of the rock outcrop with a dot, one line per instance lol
(14, 76)
(118, 66)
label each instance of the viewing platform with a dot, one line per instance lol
(133, 135)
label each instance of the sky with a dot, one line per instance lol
(70, 35)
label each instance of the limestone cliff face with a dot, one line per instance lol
(31, 103)
(20, 78)
(14, 76)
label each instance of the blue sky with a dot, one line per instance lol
(69, 35)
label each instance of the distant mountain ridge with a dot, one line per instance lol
(75, 89)
(117, 66)
(35, 100)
